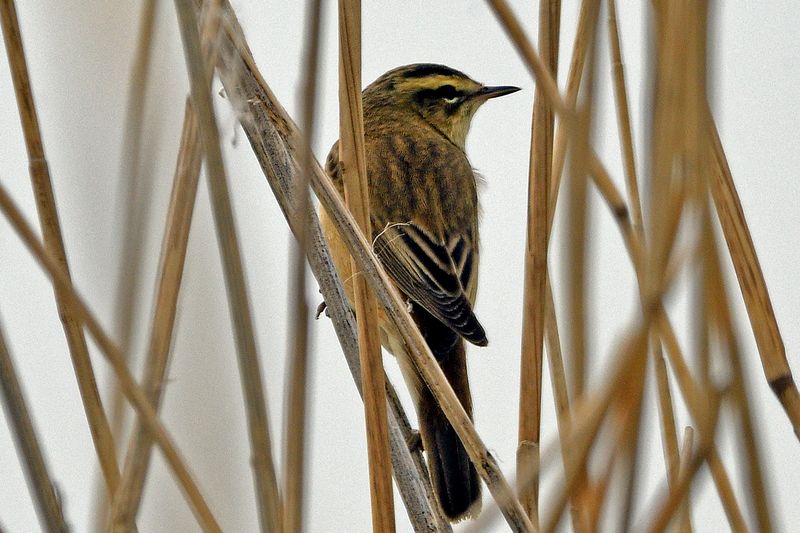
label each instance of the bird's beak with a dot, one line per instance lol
(484, 93)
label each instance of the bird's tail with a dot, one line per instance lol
(454, 478)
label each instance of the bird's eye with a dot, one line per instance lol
(447, 92)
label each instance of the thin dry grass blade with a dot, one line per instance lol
(558, 379)
(669, 436)
(664, 513)
(54, 242)
(173, 254)
(752, 283)
(719, 313)
(354, 175)
(533, 314)
(134, 204)
(115, 357)
(630, 444)
(266, 486)
(587, 20)
(623, 117)
(40, 485)
(294, 431)
(683, 467)
(726, 494)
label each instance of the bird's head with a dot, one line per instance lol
(444, 97)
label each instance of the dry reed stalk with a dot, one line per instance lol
(133, 206)
(578, 209)
(135, 209)
(671, 215)
(294, 431)
(719, 313)
(266, 487)
(629, 447)
(533, 311)
(584, 34)
(115, 357)
(133, 201)
(683, 465)
(54, 242)
(691, 28)
(664, 332)
(40, 485)
(558, 382)
(624, 121)
(626, 424)
(170, 272)
(584, 31)
(576, 249)
(664, 513)
(598, 492)
(666, 210)
(354, 175)
(669, 435)
(276, 144)
(752, 284)
(726, 494)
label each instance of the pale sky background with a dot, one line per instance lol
(79, 56)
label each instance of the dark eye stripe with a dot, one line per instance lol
(444, 92)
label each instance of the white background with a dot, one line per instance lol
(79, 56)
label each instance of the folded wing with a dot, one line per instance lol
(434, 274)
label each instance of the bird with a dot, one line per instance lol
(424, 212)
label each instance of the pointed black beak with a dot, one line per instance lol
(493, 92)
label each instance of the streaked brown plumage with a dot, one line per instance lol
(424, 215)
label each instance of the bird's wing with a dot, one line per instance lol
(433, 274)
